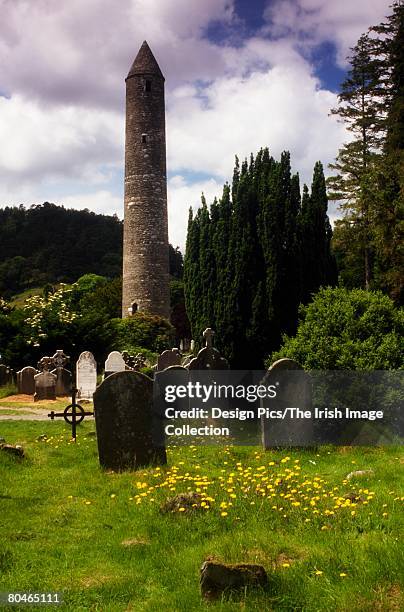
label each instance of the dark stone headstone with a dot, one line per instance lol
(26, 380)
(60, 359)
(123, 408)
(6, 375)
(45, 386)
(168, 359)
(293, 391)
(63, 381)
(208, 358)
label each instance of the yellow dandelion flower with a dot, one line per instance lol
(223, 513)
(318, 573)
(182, 509)
(342, 574)
(285, 564)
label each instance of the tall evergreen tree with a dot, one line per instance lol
(370, 169)
(319, 268)
(243, 262)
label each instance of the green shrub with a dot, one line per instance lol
(143, 330)
(345, 329)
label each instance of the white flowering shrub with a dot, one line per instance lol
(49, 313)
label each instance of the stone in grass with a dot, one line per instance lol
(359, 474)
(218, 578)
(16, 450)
(189, 501)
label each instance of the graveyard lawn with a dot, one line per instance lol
(327, 543)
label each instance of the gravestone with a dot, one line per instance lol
(123, 408)
(293, 390)
(60, 359)
(86, 375)
(6, 375)
(114, 363)
(168, 359)
(26, 380)
(208, 358)
(45, 386)
(63, 381)
(134, 362)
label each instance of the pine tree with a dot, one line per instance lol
(370, 169)
(362, 108)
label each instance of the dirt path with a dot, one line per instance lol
(29, 411)
(31, 416)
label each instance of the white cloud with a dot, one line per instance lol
(102, 201)
(64, 63)
(311, 22)
(181, 195)
(282, 108)
(65, 142)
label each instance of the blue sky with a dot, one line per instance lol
(240, 75)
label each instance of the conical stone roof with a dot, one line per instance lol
(145, 63)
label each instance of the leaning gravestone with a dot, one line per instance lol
(168, 359)
(45, 386)
(26, 380)
(86, 375)
(114, 363)
(6, 375)
(293, 390)
(126, 428)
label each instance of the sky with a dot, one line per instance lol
(240, 75)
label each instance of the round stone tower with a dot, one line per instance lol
(145, 241)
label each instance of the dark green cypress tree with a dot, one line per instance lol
(243, 266)
(319, 267)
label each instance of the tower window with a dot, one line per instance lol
(133, 308)
(147, 85)
(144, 138)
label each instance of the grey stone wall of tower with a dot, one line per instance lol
(145, 243)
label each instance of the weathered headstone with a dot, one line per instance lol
(26, 380)
(6, 375)
(293, 390)
(86, 375)
(168, 358)
(45, 386)
(63, 381)
(123, 408)
(60, 359)
(134, 362)
(114, 363)
(208, 358)
(45, 364)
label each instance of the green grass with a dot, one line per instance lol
(18, 300)
(7, 390)
(101, 539)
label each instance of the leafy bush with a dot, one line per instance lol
(143, 330)
(345, 329)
